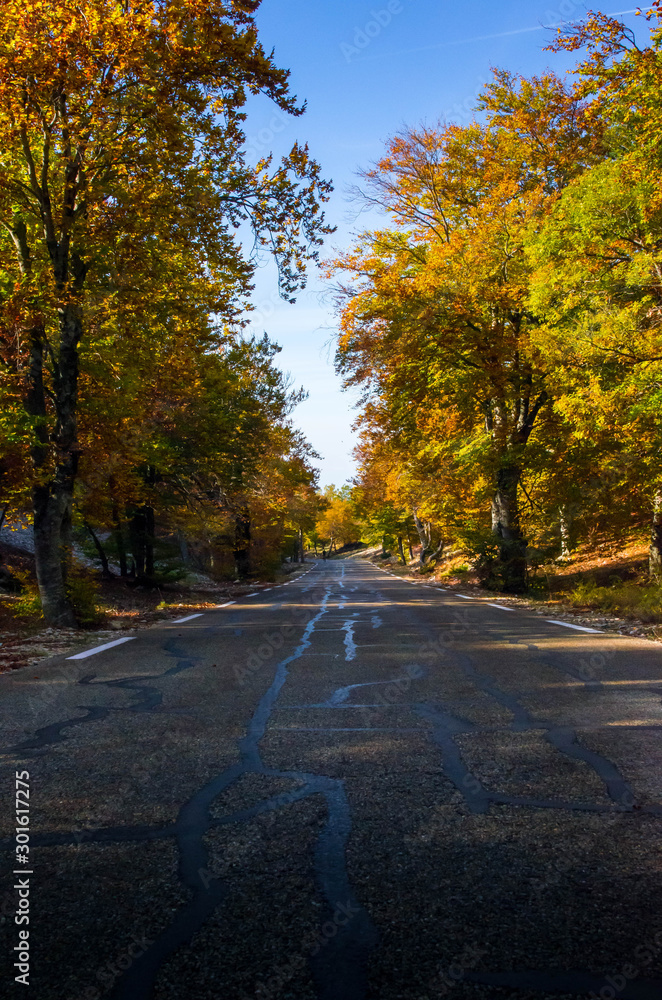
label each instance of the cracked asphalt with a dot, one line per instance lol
(349, 787)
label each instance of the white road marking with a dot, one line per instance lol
(464, 597)
(501, 606)
(189, 618)
(256, 594)
(226, 605)
(100, 649)
(579, 628)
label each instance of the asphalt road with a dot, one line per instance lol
(346, 787)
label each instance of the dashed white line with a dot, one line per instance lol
(579, 628)
(100, 649)
(189, 618)
(256, 594)
(501, 607)
(229, 604)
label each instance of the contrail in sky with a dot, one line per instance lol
(501, 34)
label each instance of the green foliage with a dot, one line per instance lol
(83, 593)
(82, 590)
(499, 563)
(635, 600)
(455, 571)
(27, 603)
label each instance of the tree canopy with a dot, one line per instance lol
(504, 325)
(124, 192)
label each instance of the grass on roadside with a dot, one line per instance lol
(631, 599)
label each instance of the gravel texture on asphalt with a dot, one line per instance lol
(349, 788)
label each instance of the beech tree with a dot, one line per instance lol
(506, 327)
(121, 127)
(597, 261)
(338, 523)
(437, 311)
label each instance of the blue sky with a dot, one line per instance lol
(365, 70)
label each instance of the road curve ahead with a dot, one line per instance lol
(345, 787)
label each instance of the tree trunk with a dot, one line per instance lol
(302, 554)
(565, 526)
(411, 551)
(655, 549)
(52, 499)
(118, 537)
(242, 543)
(434, 556)
(149, 542)
(401, 550)
(141, 539)
(183, 548)
(103, 558)
(50, 513)
(420, 529)
(137, 532)
(506, 526)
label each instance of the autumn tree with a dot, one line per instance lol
(338, 523)
(122, 139)
(434, 312)
(597, 264)
(375, 498)
(401, 490)
(229, 445)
